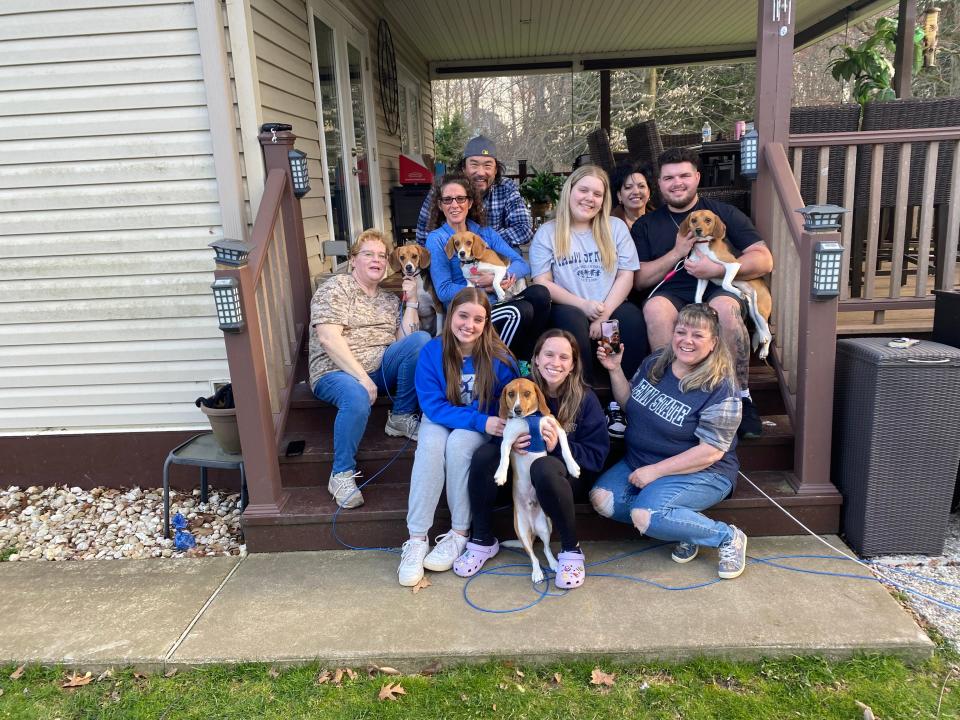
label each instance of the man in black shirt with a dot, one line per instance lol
(662, 250)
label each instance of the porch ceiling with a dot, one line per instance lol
(510, 36)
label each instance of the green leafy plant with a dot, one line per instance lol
(542, 187)
(869, 64)
(449, 137)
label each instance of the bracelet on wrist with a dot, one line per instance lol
(413, 305)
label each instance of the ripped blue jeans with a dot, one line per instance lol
(672, 503)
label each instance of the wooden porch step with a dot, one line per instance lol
(307, 520)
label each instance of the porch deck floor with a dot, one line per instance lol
(345, 608)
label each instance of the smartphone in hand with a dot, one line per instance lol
(610, 336)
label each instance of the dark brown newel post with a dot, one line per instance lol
(276, 147)
(903, 59)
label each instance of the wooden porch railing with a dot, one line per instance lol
(933, 219)
(804, 329)
(274, 295)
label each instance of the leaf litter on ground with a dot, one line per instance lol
(391, 691)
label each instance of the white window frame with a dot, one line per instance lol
(407, 82)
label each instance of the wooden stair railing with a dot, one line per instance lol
(274, 295)
(804, 329)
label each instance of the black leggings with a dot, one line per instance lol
(633, 333)
(520, 320)
(557, 493)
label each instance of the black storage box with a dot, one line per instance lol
(896, 443)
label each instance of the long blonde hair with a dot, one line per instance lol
(599, 226)
(486, 349)
(715, 369)
(572, 389)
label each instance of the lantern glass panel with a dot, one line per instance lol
(299, 173)
(226, 296)
(827, 258)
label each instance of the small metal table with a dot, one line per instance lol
(203, 451)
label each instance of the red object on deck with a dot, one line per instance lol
(413, 172)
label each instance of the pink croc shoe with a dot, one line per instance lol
(570, 570)
(473, 558)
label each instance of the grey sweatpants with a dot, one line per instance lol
(443, 455)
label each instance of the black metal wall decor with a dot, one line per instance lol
(387, 66)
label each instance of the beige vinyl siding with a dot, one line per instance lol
(108, 199)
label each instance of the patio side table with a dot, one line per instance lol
(204, 452)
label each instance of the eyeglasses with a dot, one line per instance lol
(459, 200)
(368, 255)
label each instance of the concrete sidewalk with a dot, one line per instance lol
(346, 608)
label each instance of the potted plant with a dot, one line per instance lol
(541, 190)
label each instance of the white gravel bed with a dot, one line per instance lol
(923, 573)
(64, 523)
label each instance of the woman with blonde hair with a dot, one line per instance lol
(683, 410)
(586, 259)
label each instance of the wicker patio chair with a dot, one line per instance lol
(601, 154)
(681, 139)
(738, 197)
(823, 119)
(643, 142)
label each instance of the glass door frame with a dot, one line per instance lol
(346, 28)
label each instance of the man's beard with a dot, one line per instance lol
(679, 204)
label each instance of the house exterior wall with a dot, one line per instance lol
(108, 199)
(284, 71)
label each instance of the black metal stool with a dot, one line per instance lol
(203, 451)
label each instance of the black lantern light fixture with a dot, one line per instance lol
(231, 252)
(821, 218)
(826, 270)
(299, 173)
(749, 152)
(226, 295)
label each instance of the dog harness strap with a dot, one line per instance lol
(536, 439)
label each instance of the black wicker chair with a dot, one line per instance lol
(643, 142)
(598, 142)
(823, 119)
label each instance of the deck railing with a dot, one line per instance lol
(804, 329)
(903, 210)
(274, 295)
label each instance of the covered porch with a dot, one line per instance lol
(289, 508)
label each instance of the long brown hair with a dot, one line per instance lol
(476, 212)
(572, 389)
(715, 369)
(599, 226)
(486, 349)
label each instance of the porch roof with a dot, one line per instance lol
(516, 36)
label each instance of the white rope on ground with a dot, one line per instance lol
(196, 618)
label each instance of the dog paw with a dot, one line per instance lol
(537, 575)
(574, 470)
(500, 479)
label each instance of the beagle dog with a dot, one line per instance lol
(475, 257)
(710, 241)
(412, 261)
(524, 407)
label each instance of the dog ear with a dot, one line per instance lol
(504, 404)
(542, 401)
(450, 249)
(684, 226)
(424, 258)
(479, 246)
(395, 260)
(719, 227)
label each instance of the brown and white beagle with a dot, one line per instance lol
(412, 261)
(524, 407)
(475, 257)
(710, 241)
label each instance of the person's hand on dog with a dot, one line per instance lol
(371, 387)
(549, 433)
(703, 268)
(683, 244)
(610, 361)
(409, 287)
(482, 280)
(495, 426)
(643, 476)
(521, 444)
(509, 280)
(592, 309)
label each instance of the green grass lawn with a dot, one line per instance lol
(795, 688)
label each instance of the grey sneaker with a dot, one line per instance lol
(684, 552)
(343, 487)
(406, 425)
(449, 547)
(733, 555)
(412, 553)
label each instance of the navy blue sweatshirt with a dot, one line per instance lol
(589, 441)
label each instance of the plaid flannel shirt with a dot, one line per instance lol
(506, 211)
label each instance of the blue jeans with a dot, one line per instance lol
(671, 504)
(343, 390)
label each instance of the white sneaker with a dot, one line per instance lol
(407, 426)
(412, 552)
(343, 487)
(449, 547)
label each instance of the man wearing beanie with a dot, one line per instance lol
(505, 209)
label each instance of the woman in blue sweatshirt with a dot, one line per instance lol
(558, 371)
(459, 378)
(457, 207)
